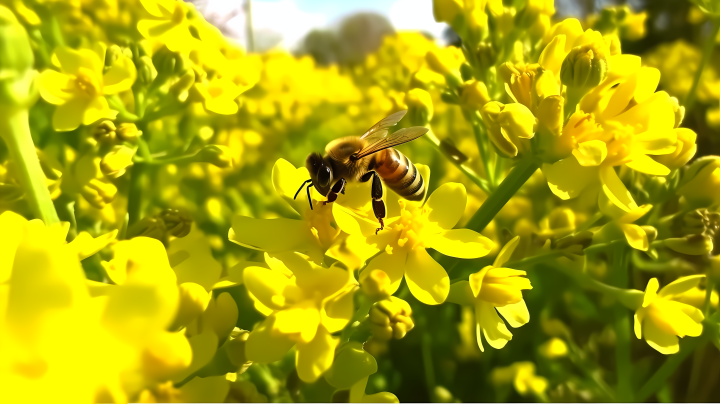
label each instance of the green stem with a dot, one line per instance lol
(621, 324)
(510, 185)
(708, 294)
(15, 131)
(360, 314)
(137, 173)
(707, 53)
(480, 136)
(428, 364)
(657, 381)
(529, 262)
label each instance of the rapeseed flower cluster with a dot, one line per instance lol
(157, 245)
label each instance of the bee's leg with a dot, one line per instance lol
(338, 188)
(377, 203)
(308, 193)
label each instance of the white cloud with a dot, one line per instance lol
(285, 18)
(415, 15)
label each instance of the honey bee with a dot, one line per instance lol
(370, 156)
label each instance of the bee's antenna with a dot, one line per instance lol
(308, 192)
(301, 187)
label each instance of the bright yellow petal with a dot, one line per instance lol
(590, 153)
(516, 314)
(302, 319)
(316, 356)
(120, 77)
(213, 389)
(159, 8)
(567, 178)
(635, 236)
(664, 343)
(680, 285)
(71, 60)
(337, 311)
(12, 226)
(265, 346)
(266, 285)
(460, 243)
(447, 204)
(203, 347)
(70, 115)
(86, 245)
(637, 325)
(646, 165)
(494, 329)
(392, 264)
(352, 222)
(506, 252)
(427, 279)
(262, 234)
(656, 142)
(553, 55)
(635, 214)
(650, 292)
(615, 190)
(96, 110)
(56, 88)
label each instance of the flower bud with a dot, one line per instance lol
(474, 95)
(447, 10)
(112, 54)
(694, 244)
(701, 181)
(441, 395)
(509, 126)
(17, 76)
(486, 55)
(585, 66)
(533, 10)
(651, 233)
(685, 149)
(235, 349)
(217, 155)
(390, 318)
(679, 111)
(446, 61)
(178, 223)
(194, 300)
(180, 90)
(420, 106)
(554, 348)
(148, 226)
(561, 218)
(146, 72)
(168, 62)
(128, 132)
(105, 132)
(115, 163)
(351, 365)
(376, 285)
(98, 193)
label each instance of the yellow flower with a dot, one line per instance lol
(622, 225)
(554, 348)
(79, 88)
(351, 369)
(701, 181)
(662, 319)
(407, 236)
(308, 303)
(509, 127)
(522, 375)
(312, 235)
(172, 24)
(491, 290)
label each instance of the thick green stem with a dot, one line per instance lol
(510, 185)
(621, 325)
(15, 131)
(137, 175)
(657, 381)
(707, 53)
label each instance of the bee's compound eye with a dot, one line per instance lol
(323, 176)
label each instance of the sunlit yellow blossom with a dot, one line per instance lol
(523, 377)
(308, 303)
(662, 319)
(79, 89)
(622, 225)
(495, 289)
(312, 235)
(350, 370)
(404, 242)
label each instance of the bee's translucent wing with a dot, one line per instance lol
(379, 130)
(402, 136)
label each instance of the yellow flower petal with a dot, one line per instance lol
(266, 285)
(615, 190)
(203, 347)
(427, 279)
(265, 346)
(680, 285)
(70, 115)
(460, 243)
(159, 8)
(553, 55)
(120, 77)
(494, 329)
(656, 142)
(662, 342)
(637, 325)
(86, 245)
(12, 225)
(56, 88)
(516, 314)
(263, 235)
(567, 178)
(315, 357)
(476, 280)
(590, 153)
(447, 204)
(199, 266)
(213, 389)
(506, 252)
(650, 292)
(337, 311)
(96, 110)
(71, 60)
(302, 319)
(635, 236)
(352, 222)
(393, 265)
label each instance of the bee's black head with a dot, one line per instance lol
(321, 172)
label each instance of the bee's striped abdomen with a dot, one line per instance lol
(400, 174)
